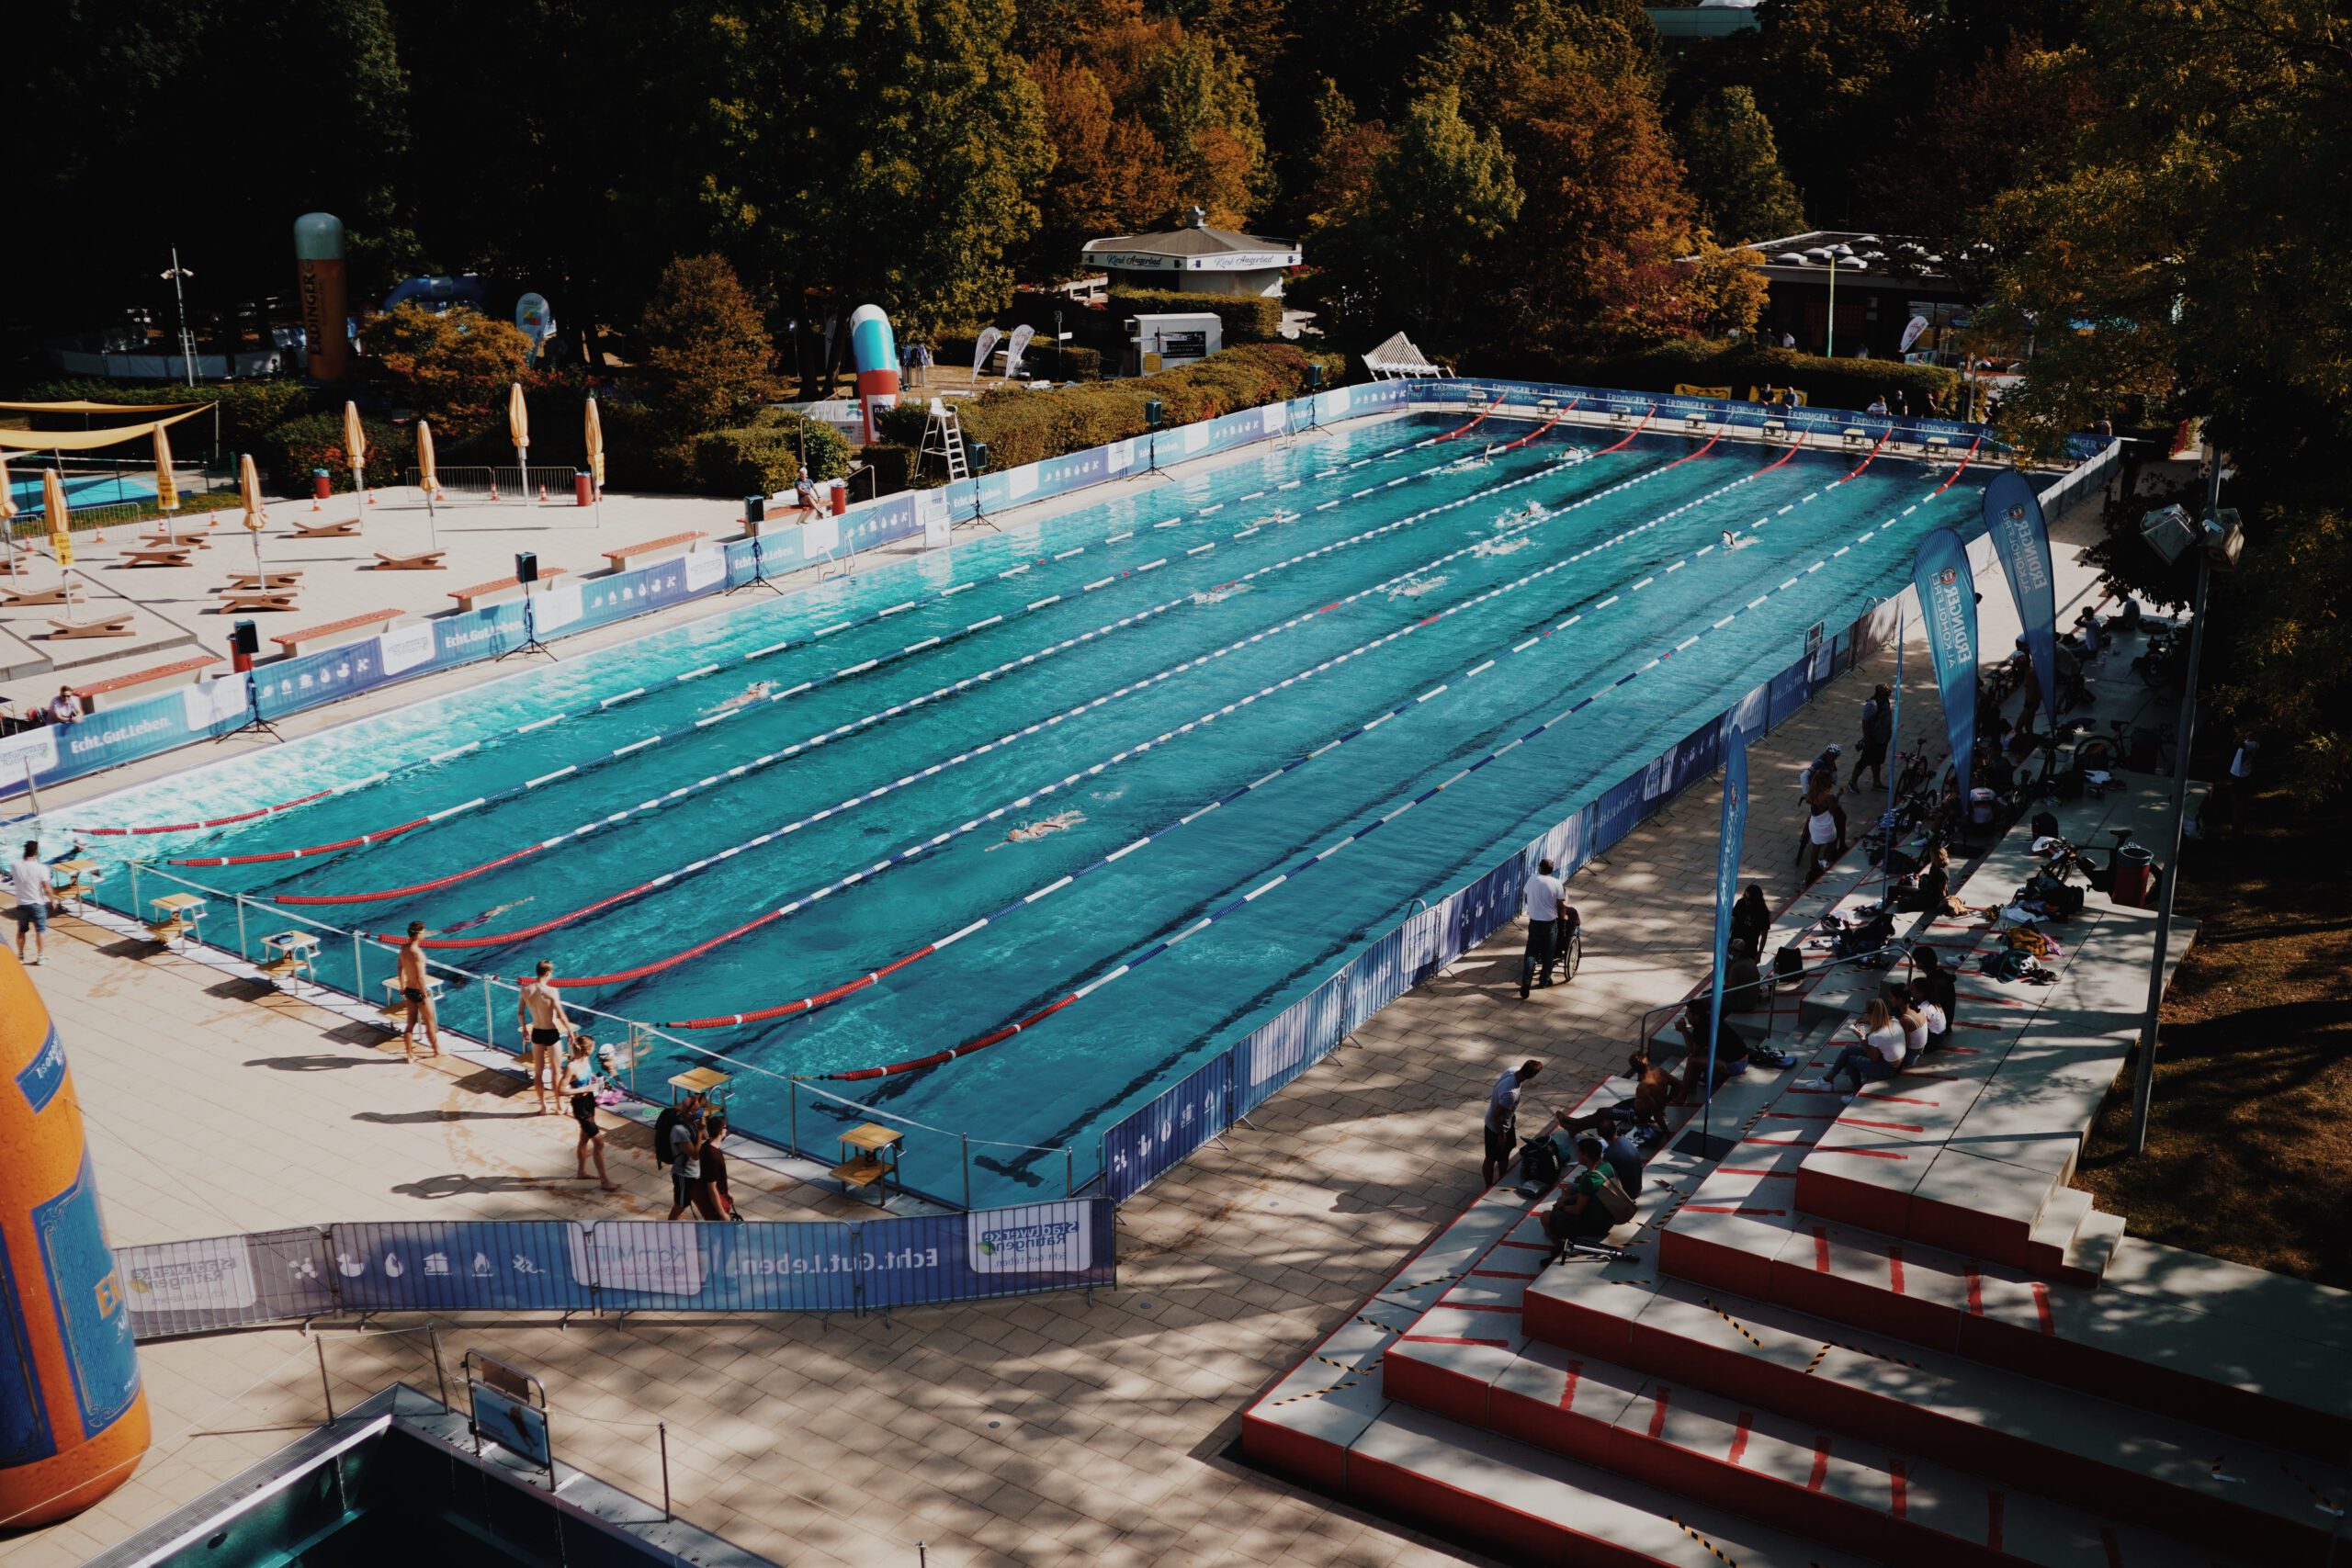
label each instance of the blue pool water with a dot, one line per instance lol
(1329, 581)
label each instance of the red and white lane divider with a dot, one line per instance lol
(849, 988)
(1007, 1030)
(498, 939)
(607, 704)
(853, 672)
(1966, 458)
(1475, 423)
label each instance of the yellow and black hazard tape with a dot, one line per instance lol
(1721, 1555)
(1349, 1366)
(1441, 1280)
(1375, 1322)
(1829, 1345)
(1727, 1317)
(1315, 1393)
(2325, 1503)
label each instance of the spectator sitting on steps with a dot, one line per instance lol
(1580, 1214)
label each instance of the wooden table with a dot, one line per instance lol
(395, 1010)
(85, 875)
(875, 1164)
(291, 954)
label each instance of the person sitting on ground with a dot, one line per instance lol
(1938, 1022)
(1730, 1056)
(1932, 889)
(1580, 1214)
(804, 493)
(1751, 922)
(1905, 1010)
(1878, 1056)
(67, 708)
(1622, 1153)
(2088, 637)
(1655, 1088)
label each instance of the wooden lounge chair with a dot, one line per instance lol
(30, 597)
(344, 528)
(183, 542)
(261, 581)
(104, 625)
(158, 556)
(423, 560)
(259, 599)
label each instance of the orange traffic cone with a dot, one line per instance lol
(315, 506)
(543, 495)
(493, 490)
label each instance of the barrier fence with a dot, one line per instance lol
(617, 1266)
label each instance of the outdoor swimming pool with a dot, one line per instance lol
(1206, 693)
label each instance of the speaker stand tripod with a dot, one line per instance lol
(530, 643)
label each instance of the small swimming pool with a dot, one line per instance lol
(893, 816)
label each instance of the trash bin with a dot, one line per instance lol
(321, 485)
(2133, 865)
(1982, 805)
(581, 495)
(840, 502)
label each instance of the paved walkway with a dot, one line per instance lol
(1003, 1432)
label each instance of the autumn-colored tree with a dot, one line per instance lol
(1734, 170)
(1836, 78)
(1111, 174)
(1992, 127)
(1065, 25)
(1191, 93)
(708, 341)
(1344, 156)
(453, 367)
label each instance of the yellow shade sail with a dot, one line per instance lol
(75, 405)
(167, 489)
(518, 416)
(85, 440)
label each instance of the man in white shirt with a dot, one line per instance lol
(29, 885)
(1502, 1120)
(1549, 921)
(67, 708)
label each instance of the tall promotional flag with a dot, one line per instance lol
(1016, 348)
(1947, 605)
(1730, 840)
(2021, 538)
(989, 338)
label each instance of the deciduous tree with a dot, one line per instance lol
(1734, 170)
(707, 339)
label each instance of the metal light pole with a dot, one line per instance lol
(2210, 537)
(187, 339)
(1829, 329)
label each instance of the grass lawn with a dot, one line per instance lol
(2250, 1143)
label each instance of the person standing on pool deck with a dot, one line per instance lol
(1545, 910)
(541, 1012)
(417, 993)
(1502, 1120)
(580, 1089)
(29, 884)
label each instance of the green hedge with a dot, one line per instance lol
(1698, 362)
(764, 456)
(288, 453)
(893, 465)
(1247, 318)
(249, 410)
(1030, 426)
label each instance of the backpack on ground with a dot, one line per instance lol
(1788, 964)
(1539, 1162)
(663, 1126)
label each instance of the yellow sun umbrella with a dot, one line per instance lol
(595, 448)
(59, 516)
(249, 489)
(518, 426)
(354, 447)
(167, 489)
(428, 478)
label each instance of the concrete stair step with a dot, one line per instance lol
(1524, 1505)
(2091, 1248)
(1782, 1472)
(2228, 1495)
(2062, 1213)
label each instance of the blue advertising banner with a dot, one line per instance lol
(2020, 538)
(445, 1266)
(1162, 1133)
(651, 1266)
(1947, 605)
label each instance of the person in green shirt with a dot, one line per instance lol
(1580, 1214)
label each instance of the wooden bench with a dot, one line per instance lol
(175, 555)
(346, 528)
(65, 592)
(423, 560)
(631, 555)
(261, 581)
(146, 682)
(256, 599)
(104, 625)
(348, 630)
(481, 592)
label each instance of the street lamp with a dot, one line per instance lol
(187, 339)
(2217, 538)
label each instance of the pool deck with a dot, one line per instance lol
(1019, 1432)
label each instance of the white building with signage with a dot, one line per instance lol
(1195, 259)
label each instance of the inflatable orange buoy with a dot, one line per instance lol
(73, 1418)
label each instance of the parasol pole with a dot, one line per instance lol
(354, 447)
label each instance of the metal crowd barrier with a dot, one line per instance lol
(616, 1267)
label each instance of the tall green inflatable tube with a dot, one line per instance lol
(72, 1418)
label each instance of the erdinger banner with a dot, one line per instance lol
(1947, 605)
(2021, 538)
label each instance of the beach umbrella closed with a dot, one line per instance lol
(518, 426)
(428, 478)
(354, 445)
(596, 426)
(167, 489)
(59, 515)
(8, 513)
(249, 489)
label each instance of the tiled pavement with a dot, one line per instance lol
(1043, 1430)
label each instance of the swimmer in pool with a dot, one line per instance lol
(1734, 540)
(1061, 821)
(487, 915)
(756, 692)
